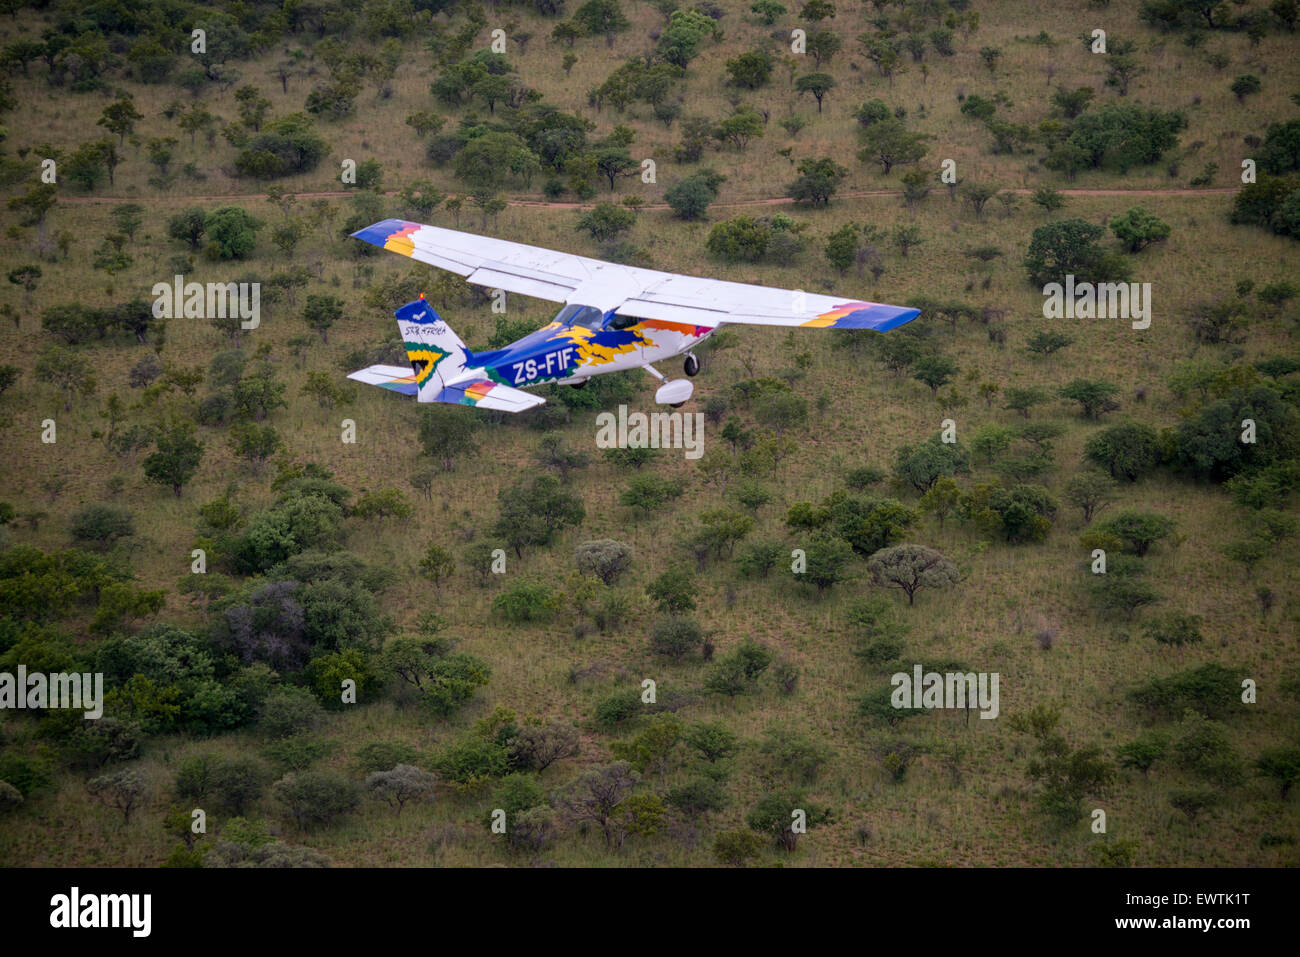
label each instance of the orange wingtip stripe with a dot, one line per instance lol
(401, 242)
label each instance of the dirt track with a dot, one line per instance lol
(771, 201)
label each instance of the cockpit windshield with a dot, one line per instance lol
(573, 313)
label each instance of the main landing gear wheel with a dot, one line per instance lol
(581, 383)
(691, 366)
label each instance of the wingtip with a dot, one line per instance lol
(378, 233)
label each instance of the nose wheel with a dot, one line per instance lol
(691, 366)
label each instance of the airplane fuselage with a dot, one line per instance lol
(582, 341)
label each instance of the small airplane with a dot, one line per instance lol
(614, 317)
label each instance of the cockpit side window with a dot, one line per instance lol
(621, 322)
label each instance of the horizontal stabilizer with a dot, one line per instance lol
(486, 394)
(398, 378)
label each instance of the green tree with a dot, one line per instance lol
(674, 591)
(189, 226)
(256, 443)
(736, 130)
(1095, 397)
(743, 238)
(752, 69)
(1138, 531)
(842, 247)
(1023, 400)
(606, 221)
(1090, 491)
(128, 218)
(1045, 342)
(828, 558)
(176, 459)
(817, 181)
(941, 499)
(1126, 451)
(818, 84)
(1070, 246)
(1141, 754)
(232, 232)
(1138, 229)
(888, 142)
(533, 514)
(689, 198)
(921, 465)
(774, 815)
(120, 117)
(768, 11)
(911, 568)
(601, 18)
(1245, 85)
(321, 312)
(100, 526)
(934, 371)
(437, 565)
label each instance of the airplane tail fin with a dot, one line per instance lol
(437, 354)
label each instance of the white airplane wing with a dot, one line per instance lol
(640, 293)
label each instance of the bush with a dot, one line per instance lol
(1071, 247)
(382, 755)
(1175, 628)
(1138, 531)
(282, 147)
(650, 492)
(232, 232)
(689, 198)
(28, 775)
(316, 798)
(527, 601)
(1095, 397)
(743, 239)
(101, 525)
(1127, 451)
(1211, 689)
(401, 785)
(472, 760)
(675, 636)
(604, 559)
(288, 711)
